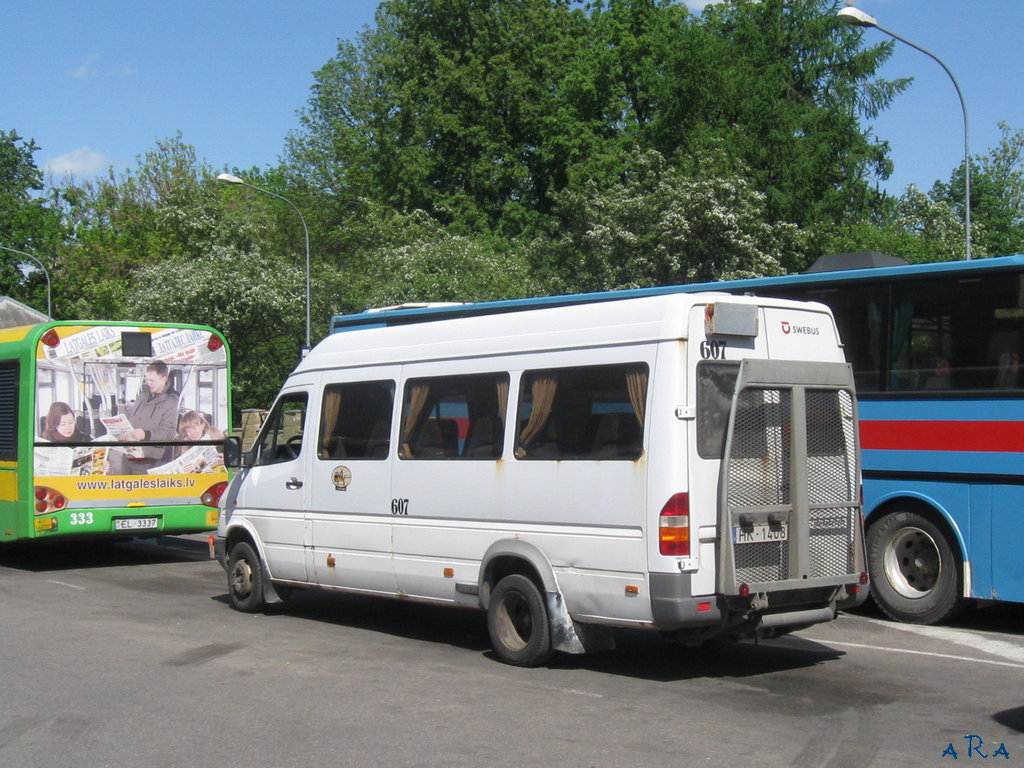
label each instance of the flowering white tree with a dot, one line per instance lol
(665, 224)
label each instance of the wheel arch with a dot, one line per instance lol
(515, 556)
(930, 508)
(510, 556)
(244, 531)
(925, 505)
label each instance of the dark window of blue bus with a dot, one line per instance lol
(957, 334)
(862, 317)
(9, 372)
(929, 334)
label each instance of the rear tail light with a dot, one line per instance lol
(48, 500)
(51, 338)
(211, 496)
(214, 343)
(674, 527)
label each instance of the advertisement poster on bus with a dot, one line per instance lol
(130, 400)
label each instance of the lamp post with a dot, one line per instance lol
(858, 18)
(49, 312)
(228, 178)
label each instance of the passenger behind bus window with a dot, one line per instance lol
(939, 377)
(61, 426)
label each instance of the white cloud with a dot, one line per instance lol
(88, 69)
(84, 161)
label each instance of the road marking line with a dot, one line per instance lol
(924, 653)
(65, 584)
(1014, 652)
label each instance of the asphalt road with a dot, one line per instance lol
(129, 655)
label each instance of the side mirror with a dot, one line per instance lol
(234, 456)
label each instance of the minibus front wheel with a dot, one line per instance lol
(245, 578)
(517, 621)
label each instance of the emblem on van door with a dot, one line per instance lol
(341, 476)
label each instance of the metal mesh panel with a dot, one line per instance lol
(759, 457)
(822, 535)
(831, 541)
(831, 467)
(762, 561)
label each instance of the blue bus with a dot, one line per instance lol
(937, 352)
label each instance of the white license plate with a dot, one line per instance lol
(757, 534)
(136, 523)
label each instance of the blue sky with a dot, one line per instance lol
(98, 83)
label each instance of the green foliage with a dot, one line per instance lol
(254, 299)
(28, 221)
(997, 196)
(467, 150)
(664, 224)
(165, 242)
(916, 227)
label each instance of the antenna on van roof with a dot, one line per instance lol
(834, 262)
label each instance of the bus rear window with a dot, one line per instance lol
(716, 383)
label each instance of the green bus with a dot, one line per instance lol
(111, 429)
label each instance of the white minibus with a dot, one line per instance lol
(685, 463)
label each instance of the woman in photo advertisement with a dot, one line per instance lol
(62, 426)
(193, 427)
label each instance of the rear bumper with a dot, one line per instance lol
(674, 609)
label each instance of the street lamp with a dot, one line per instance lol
(49, 312)
(858, 18)
(228, 178)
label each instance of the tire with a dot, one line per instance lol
(245, 578)
(517, 621)
(915, 575)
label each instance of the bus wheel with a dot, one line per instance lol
(915, 577)
(245, 578)
(517, 621)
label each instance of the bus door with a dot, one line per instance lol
(714, 364)
(275, 492)
(350, 509)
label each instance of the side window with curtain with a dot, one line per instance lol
(591, 412)
(454, 417)
(355, 420)
(282, 434)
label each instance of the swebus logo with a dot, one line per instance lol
(806, 330)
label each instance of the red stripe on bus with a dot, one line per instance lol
(990, 436)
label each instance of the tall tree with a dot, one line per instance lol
(482, 112)
(997, 196)
(29, 221)
(663, 224)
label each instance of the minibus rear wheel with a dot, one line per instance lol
(517, 621)
(245, 578)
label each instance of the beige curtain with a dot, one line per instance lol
(636, 383)
(418, 394)
(543, 389)
(502, 397)
(329, 420)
